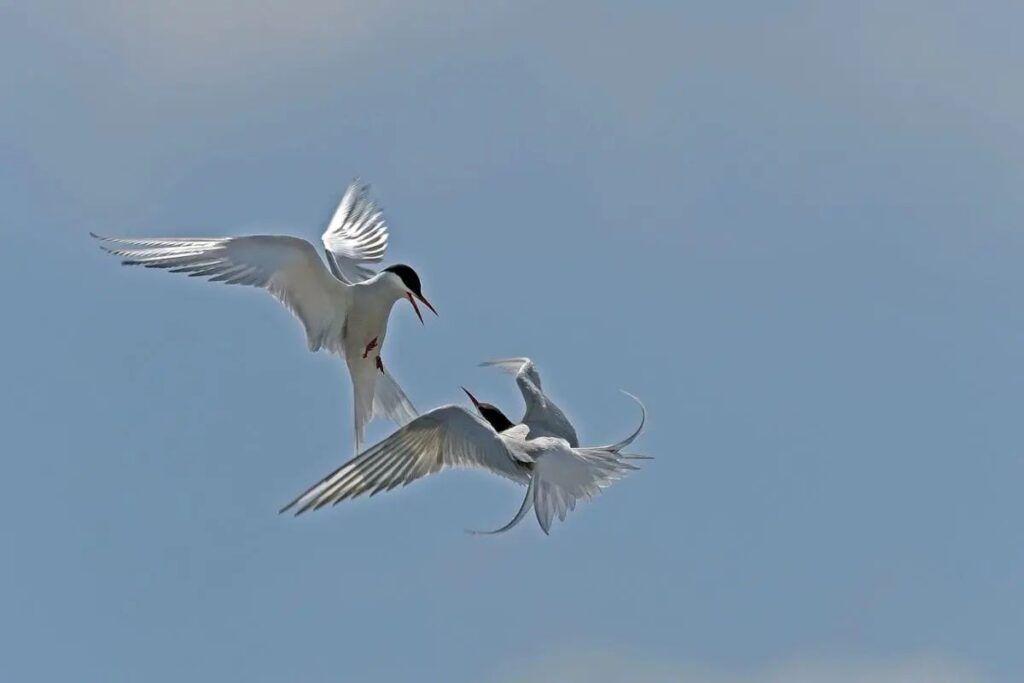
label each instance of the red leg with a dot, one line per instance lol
(370, 347)
(380, 365)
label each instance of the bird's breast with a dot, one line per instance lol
(366, 319)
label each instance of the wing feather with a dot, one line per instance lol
(356, 235)
(449, 436)
(524, 370)
(287, 267)
(542, 415)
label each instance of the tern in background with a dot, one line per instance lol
(343, 307)
(556, 475)
(543, 416)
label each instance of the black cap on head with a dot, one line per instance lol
(495, 417)
(408, 277)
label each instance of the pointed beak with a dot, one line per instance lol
(427, 304)
(415, 308)
(412, 299)
(472, 398)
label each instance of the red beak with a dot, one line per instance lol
(471, 398)
(417, 308)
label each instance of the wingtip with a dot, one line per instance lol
(290, 506)
(480, 532)
(358, 185)
(632, 396)
(104, 242)
(643, 408)
(616, 447)
(502, 363)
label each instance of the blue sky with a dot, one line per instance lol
(795, 231)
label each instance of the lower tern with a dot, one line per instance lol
(556, 474)
(344, 307)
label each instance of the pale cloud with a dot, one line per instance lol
(218, 39)
(135, 92)
(598, 667)
(117, 99)
(226, 42)
(910, 67)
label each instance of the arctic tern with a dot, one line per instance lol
(344, 307)
(556, 475)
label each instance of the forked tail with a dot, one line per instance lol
(377, 394)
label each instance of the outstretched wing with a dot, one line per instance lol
(357, 234)
(449, 436)
(524, 370)
(287, 267)
(543, 416)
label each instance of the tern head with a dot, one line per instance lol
(495, 417)
(410, 283)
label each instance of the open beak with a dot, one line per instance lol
(416, 308)
(472, 398)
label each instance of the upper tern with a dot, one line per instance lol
(556, 474)
(543, 416)
(344, 307)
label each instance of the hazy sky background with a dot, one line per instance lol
(795, 230)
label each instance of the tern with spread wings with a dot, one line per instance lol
(344, 307)
(556, 474)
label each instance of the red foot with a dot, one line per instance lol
(380, 365)
(370, 347)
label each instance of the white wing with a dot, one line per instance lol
(357, 234)
(287, 267)
(449, 436)
(524, 370)
(543, 416)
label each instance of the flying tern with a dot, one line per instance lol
(343, 307)
(542, 416)
(556, 475)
